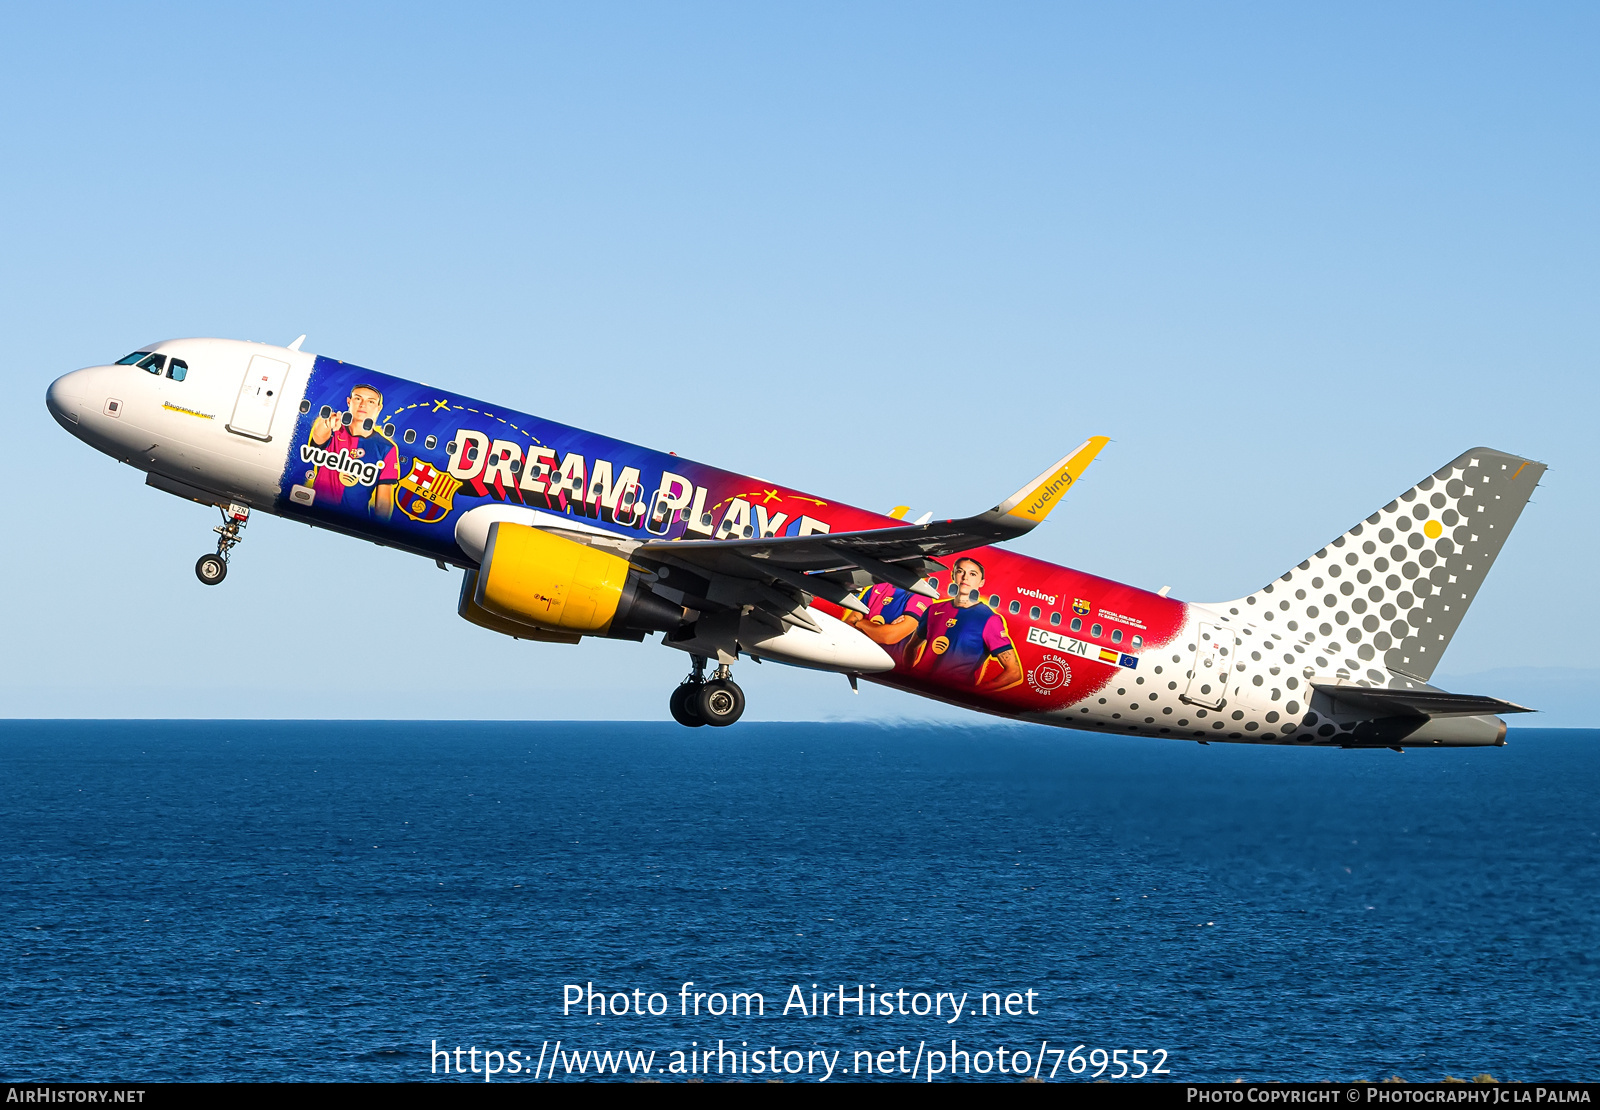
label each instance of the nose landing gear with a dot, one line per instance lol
(212, 569)
(718, 702)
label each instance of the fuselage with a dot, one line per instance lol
(402, 463)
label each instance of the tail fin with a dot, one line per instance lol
(1397, 585)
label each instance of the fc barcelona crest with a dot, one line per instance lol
(1052, 673)
(1080, 606)
(427, 494)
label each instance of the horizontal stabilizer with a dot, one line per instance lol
(1378, 703)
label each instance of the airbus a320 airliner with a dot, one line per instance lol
(562, 534)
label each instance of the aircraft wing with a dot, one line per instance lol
(1417, 703)
(899, 555)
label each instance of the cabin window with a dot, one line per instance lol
(346, 419)
(431, 442)
(1016, 607)
(1138, 641)
(411, 435)
(1095, 631)
(515, 466)
(994, 601)
(388, 430)
(1116, 636)
(305, 406)
(1077, 624)
(326, 412)
(1033, 614)
(177, 369)
(1055, 619)
(952, 588)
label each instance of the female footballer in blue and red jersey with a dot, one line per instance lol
(958, 638)
(892, 617)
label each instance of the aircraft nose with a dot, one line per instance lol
(64, 398)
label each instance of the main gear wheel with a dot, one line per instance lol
(720, 702)
(685, 707)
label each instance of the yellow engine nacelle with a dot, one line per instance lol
(539, 586)
(543, 580)
(469, 609)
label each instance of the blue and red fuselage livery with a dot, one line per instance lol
(430, 455)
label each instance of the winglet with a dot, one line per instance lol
(1033, 502)
(295, 346)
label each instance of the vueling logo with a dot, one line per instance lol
(1049, 492)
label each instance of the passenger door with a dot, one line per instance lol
(258, 398)
(1213, 663)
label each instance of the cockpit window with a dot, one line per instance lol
(144, 360)
(177, 370)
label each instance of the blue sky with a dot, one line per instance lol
(1290, 258)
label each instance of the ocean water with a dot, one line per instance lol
(310, 901)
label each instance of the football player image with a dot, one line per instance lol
(962, 640)
(892, 617)
(356, 431)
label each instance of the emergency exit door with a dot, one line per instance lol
(1213, 663)
(258, 398)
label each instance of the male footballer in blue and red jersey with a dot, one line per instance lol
(958, 638)
(355, 432)
(892, 616)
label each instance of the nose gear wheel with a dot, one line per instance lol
(211, 569)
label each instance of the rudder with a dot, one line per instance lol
(1395, 587)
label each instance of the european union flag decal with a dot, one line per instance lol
(1129, 661)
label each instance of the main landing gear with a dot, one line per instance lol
(697, 702)
(212, 569)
